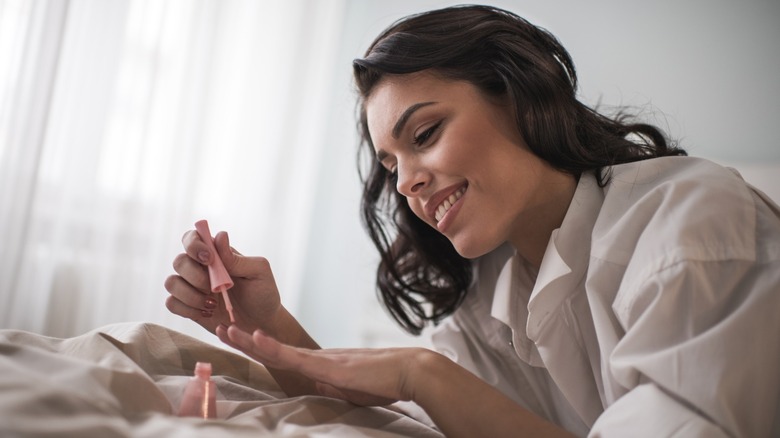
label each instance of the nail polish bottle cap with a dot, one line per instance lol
(203, 370)
(217, 273)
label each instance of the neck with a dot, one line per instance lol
(534, 228)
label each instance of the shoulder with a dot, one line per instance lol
(677, 181)
(674, 208)
(679, 228)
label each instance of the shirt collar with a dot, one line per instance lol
(522, 303)
(566, 258)
(511, 294)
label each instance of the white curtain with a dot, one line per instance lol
(124, 121)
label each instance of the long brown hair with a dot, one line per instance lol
(421, 278)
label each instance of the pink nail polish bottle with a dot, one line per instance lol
(200, 394)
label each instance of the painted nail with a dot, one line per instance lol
(210, 303)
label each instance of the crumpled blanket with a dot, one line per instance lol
(127, 380)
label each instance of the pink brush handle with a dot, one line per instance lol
(220, 279)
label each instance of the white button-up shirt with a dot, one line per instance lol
(655, 311)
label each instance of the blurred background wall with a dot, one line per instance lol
(123, 122)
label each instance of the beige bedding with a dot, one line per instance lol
(126, 380)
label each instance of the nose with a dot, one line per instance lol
(412, 179)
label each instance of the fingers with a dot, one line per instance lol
(183, 291)
(192, 272)
(241, 266)
(201, 314)
(261, 348)
(323, 366)
(195, 247)
(198, 250)
(187, 301)
(190, 290)
(222, 334)
(268, 350)
(190, 294)
(222, 244)
(192, 285)
(236, 264)
(274, 354)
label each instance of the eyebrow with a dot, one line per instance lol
(399, 125)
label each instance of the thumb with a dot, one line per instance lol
(236, 264)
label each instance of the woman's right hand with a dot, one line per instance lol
(255, 297)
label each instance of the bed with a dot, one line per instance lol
(127, 379)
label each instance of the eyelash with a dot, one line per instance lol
(425, 135)
(392, 174)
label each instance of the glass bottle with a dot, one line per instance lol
(199, 398)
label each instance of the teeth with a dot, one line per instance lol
(447, 204)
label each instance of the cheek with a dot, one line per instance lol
(417, 208)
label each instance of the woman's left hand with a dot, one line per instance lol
(382, 376)
(368, 377)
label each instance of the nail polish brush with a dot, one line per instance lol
(220, 279)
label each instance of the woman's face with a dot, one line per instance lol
(460, 160)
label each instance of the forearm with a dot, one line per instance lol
(462, 405)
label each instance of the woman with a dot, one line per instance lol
(588, 278)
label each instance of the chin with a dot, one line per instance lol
(472, 250)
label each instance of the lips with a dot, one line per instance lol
(445, 206)
(442, 201)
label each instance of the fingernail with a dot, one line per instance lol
(210, 303)
(206, 313)
(203, 256)
(223, 327)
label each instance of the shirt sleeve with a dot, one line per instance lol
(700, 355)
(669, 418)
(495, 362)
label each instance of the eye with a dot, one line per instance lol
(424, 136)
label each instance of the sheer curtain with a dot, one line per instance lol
(123, 122)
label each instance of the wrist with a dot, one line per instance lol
(424, 375)
(283, 327)
(274, 322)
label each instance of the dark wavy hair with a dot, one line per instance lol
(421, 278)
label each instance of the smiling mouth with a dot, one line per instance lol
(445, 206)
